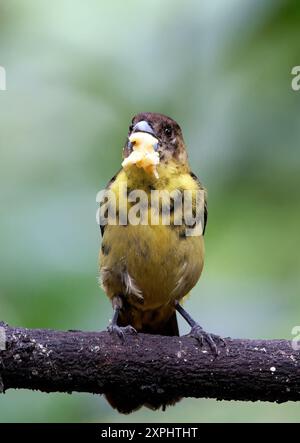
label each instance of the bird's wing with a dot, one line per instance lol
(194, 176)
(102, 227)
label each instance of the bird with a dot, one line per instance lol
(148, 269)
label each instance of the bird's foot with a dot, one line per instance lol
(121, 331)
(213, 341)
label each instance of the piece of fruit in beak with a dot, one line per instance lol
(143, 154)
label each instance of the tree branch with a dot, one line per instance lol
(147, 368)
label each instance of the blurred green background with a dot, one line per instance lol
(76, 74)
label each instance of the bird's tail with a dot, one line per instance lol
(169, 327)
(126, 404)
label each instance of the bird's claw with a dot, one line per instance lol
(203, 337)
(121, 331)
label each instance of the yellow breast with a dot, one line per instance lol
(155, 264)
(163, 267)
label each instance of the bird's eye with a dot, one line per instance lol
(130, 128)
(168, 131)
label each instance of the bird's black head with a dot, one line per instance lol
(166, 130)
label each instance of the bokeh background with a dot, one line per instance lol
(76, 74)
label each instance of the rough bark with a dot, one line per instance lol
(147, 368)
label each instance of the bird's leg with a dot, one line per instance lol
(113, 327)
(198, 332)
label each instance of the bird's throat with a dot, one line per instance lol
(137, 178)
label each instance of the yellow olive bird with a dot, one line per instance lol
(147, 269)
